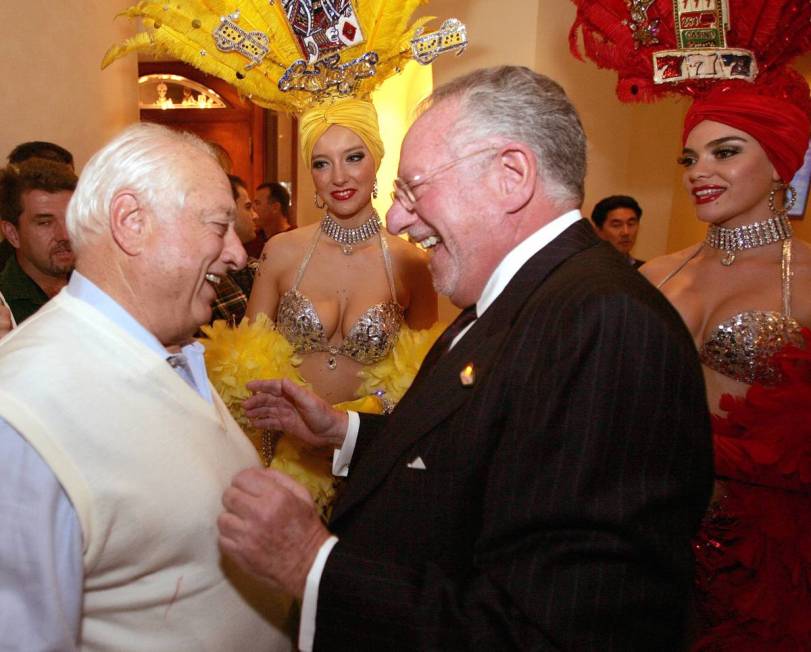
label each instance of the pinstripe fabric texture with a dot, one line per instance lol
(560, 490)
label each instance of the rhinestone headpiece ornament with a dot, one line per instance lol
(690, 46)
(291, 55)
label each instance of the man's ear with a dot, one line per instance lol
(129, 222)
(10, 233)
(519, 176)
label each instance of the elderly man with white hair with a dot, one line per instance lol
(114, 449)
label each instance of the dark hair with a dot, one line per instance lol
(236, 184)
(603, 207)
(40, 149)
(278, 193)
(33, 174)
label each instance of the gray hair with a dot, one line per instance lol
(516, 103)
(145, 158)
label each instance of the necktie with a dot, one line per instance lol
(179, 363)
(441, 346)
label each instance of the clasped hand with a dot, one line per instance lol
(5, 319)
(283, 405)
(270, 526)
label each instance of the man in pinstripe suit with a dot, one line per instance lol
(538, 485)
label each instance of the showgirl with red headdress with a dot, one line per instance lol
(744, 292)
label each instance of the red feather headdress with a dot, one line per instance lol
(730, 56)
(627, 35)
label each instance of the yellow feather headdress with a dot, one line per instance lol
(290, 55)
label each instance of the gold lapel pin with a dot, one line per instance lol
(468, 375)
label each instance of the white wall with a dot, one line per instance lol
(53, 87)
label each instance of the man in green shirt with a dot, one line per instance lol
(34, 197)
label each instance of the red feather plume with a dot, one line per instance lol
(776, 31)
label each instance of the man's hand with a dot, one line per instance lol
(283, 405)
(5, 319)
(271, 528)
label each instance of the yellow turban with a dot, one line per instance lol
(357, 115)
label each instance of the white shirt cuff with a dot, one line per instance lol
(341, 457)
(309, 601)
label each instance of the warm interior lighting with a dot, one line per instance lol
(176, 92)
(396, 100)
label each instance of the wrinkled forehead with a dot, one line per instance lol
(621, 213)
(428, 141)
(53, 202)
(206, 188)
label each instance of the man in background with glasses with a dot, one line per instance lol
(538, 485)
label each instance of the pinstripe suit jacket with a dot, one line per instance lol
(560, 490)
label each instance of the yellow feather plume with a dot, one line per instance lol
(393, 374)
(256, 350)
(251, 351)
(185, 30)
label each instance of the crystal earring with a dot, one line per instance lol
(789, 200)
(374, 190)
(323, 204)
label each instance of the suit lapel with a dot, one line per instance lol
(437, 394)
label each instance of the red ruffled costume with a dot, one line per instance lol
(753, 554)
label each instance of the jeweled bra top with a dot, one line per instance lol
(369, 340)
(742, 346)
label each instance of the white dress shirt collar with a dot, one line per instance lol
(82, 288)
(515, 260)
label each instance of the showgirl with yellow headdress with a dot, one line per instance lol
(743, 292)
(339, 305)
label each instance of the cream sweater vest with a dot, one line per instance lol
(144, 460)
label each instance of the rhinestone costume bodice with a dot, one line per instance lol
(742, 347)
(369, 340)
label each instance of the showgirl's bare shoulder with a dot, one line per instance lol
(289, 245)
(657, 269)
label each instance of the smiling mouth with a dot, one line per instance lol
(214, 279)
(703, 195)
(343, 195)
(430, 242)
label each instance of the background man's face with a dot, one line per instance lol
(262, 205)
(620, 229)
(245, 217)
(41, 238)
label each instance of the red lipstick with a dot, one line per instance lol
(343, 195)
(707, 194)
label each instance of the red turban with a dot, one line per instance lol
(780, 126)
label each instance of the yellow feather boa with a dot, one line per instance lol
(256, 350)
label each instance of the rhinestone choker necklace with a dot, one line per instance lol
(348, 237)
(747, 236)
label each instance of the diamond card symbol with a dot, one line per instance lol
(349, 32)
(323, 27)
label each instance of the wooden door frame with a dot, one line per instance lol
(237, 110)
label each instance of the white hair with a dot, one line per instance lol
(516, 103)
(147, 159)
